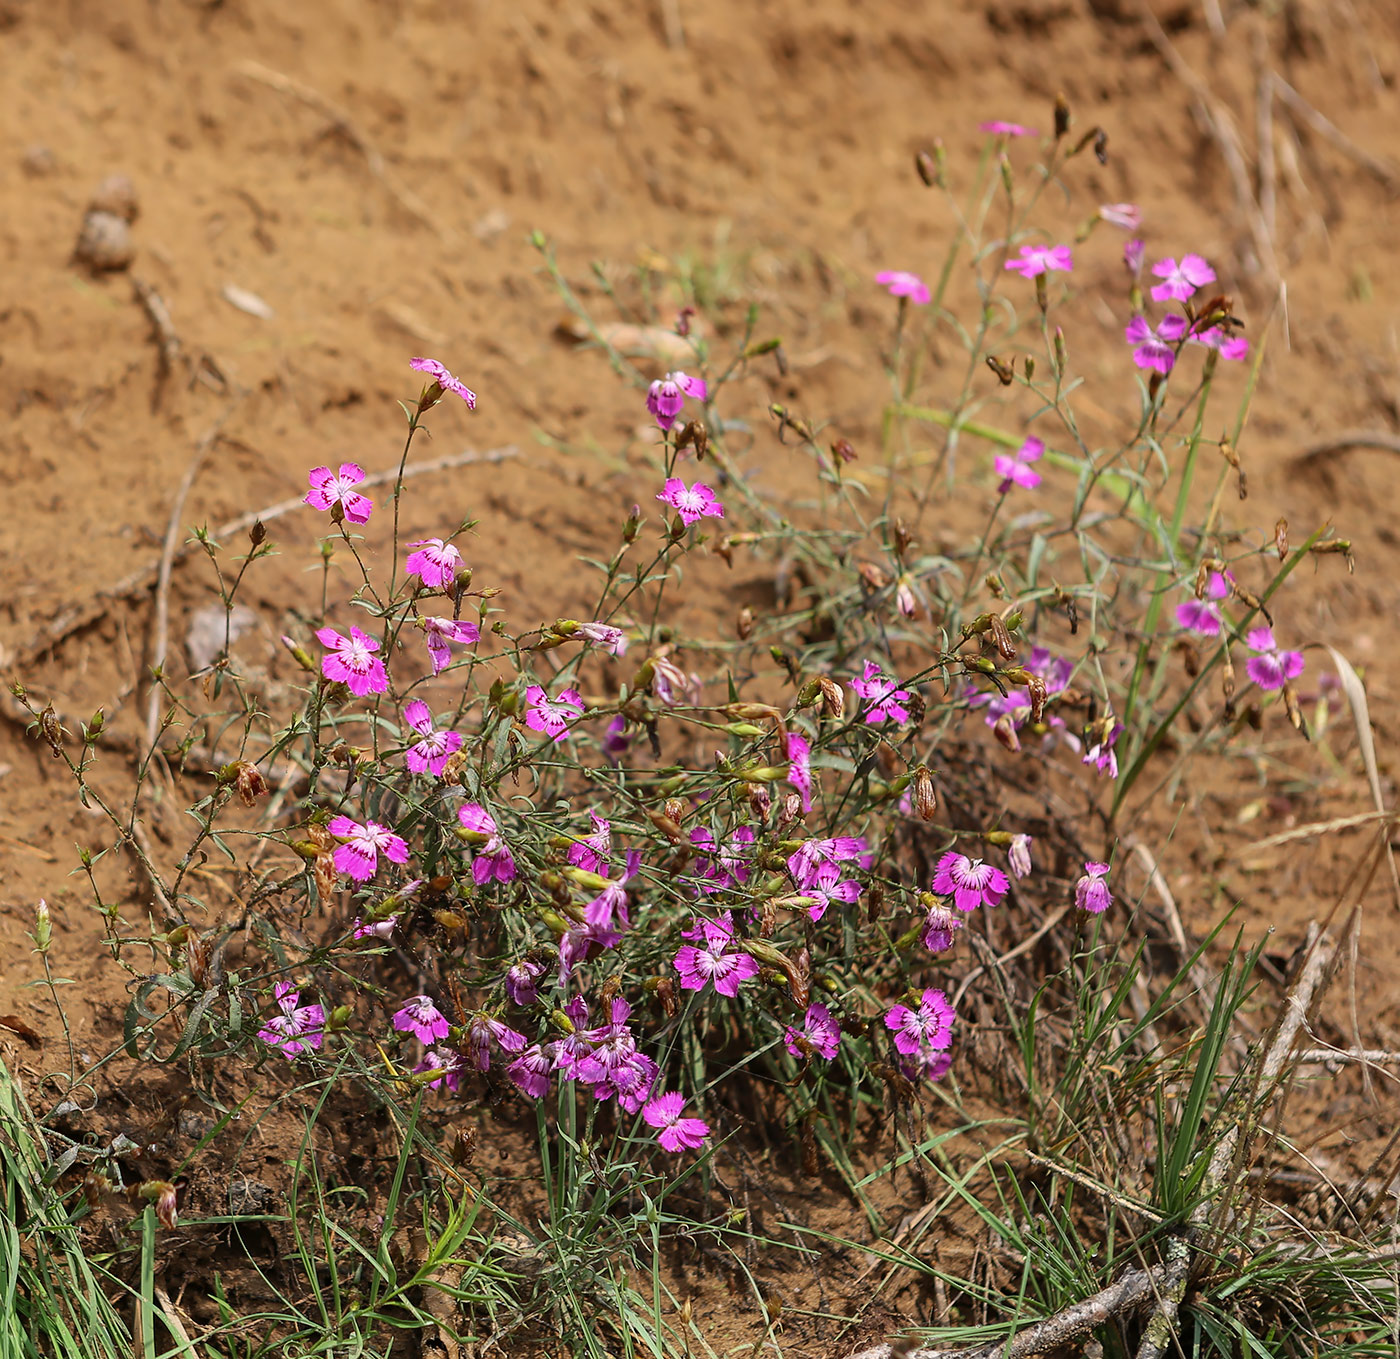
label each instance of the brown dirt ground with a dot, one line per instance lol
(772, 142)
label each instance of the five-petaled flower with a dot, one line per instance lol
(1271, 668)
(530, 1072)
(428, 756)
(825, 886)
(1040, 259)
(715, 964)
(1202, 616)
(420, 1017)
(901, 283)
(1000, 128)
(884, 695)
(1230, 347)
(444, 379)
(439, 633)
(667, 395)
(1180, 281)
(820, 1034)
(358, 853)
(1099, 738)
(690, 502)
(1015, 468)
(1091, 891)
(930, 1026)
(436, 562)
(1150, 347)
(493, 858)
(664, 1112)
(970, 882)
(351, 661)
(297, 1028)
(552, 715)
(329, 489)
(612, 640)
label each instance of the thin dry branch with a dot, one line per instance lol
(1351, 438)
(1384, 170)
(345, 125)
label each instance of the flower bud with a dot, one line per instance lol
(927, 170)
(94, 727)
(257, 535)
(339, 1019)
(298, 655)
(1004, 729)
(43, 929)
(760, 801)
(1061, 116)
(843, 451)
(632, 525)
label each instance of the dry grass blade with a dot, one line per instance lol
(1385, 171)
(1351, 438)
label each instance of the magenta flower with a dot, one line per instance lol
(1018, 855)
(444, 379)
(439, 633)
(1099, 740)
(552, 715)
(692, 502)
(351, 661)
(591, 853)
(1202, 616)
(616, 740)
(820, 1034)
(448, 1066)
(358, 855)
(1134, 253)
(799, 753)
(664, 1112)
(1271, 668)
(428, 756)
(884, 695)
(940, 927)
(1040, 259)
(930, 1026)
(530, 1072)
(486, 1035)
(1000, 128)
(666, 396)
(925, 1065)
(611, 639)
(714, 964)
(375, 929)
(1015, 468)
(297, 1028)
(493, 859)
(825, 886)
(1180, 281)
(970, 882)
(1229, 347)
(1091, 891)
(612, 901)
(328, 490)
(808, 858)
(420, 1017)
(1125, 215)
(522, 981)
(1150, 347)
(672, 685)
(901, 283)
(435, 561)
(722, 864)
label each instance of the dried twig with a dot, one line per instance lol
(343, 124)
(167, 340)
(91, 609)
(1329, 1055)
(1384, 170)
(1351, 438)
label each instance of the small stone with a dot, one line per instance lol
(117, 195)
(248, 1197)
(38, 161)
(104, 243)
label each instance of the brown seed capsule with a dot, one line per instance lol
(257, 535)
(1004, 730)
(833, 698)
(928, 171)
(1061, 116)
(675, 810)
(1005, 374)
(1281, 538)
(922, 794)
(843, 451)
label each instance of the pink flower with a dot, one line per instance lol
(940, 927)
(328, 490)
(1015, 468)
(723, 864)
(435, 561)
(1099, 739)
(616, 740)
(552, 715)
(1271, 668)
(296, 1029)
(807, 859)
(1091, 891)
(714, 964)
(351, 661)
(672, 685)
(1230, 347)
(1003, 129)
(444, 379)
(591, 853)
(1150, 347)
(521, 981)
(530, 1072)
(825, 886)
(799, 753)
(448, 1066)
(438, 633)
(925, 1065)
(1134, 252)
(611, 639)
(886, 698)
(667, 395)
(930, 1026)
(376, 929)
(1018, 855)
(493, 859)
(1180, 280)
(820, 1034)
(358, 855)
(903, 284)
(420, 1017)
(484, 1036)
(428, 756)
(970, 882)
(1202, 616)
(1040, 259)
(1125, 215)
(664, 1112)
(692, 502)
